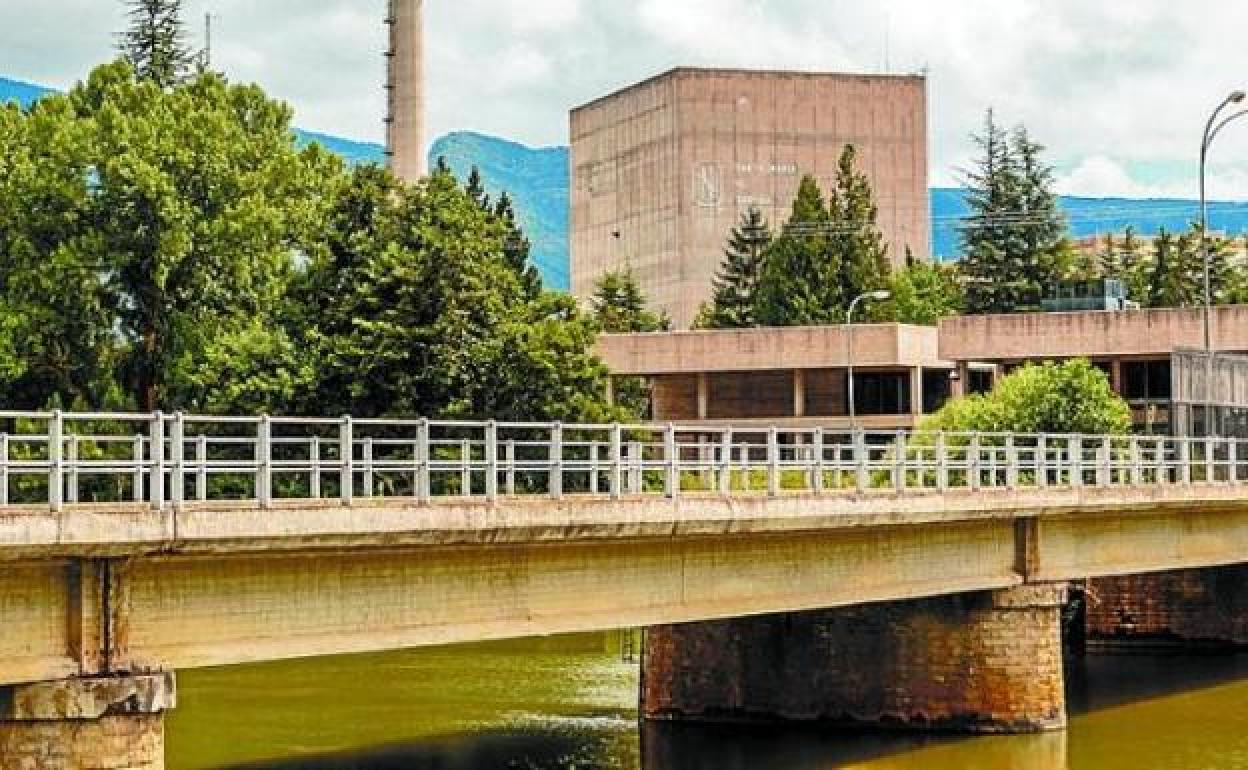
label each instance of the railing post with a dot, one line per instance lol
(1105, 469)
(510, 462)
(264, 462)
(899, 462)
(314, 477)
(773, 462)
(1076, 461)
(1042, 460)
(156, 471)
(593, 467)
(71, 487)
(465, 467)
(201, 469)
(820, 459)
(56, 462)
(1011, 462)
(346, 461)
(725, 462)
(942, 462)
(671, 457)
(366, 459)
(1137, 464)
(1185, 460)
(616, 481)
(137, 474)
(491, 461)
(636, 467)
(556, 461)
(177, 459)
(4, 469)
(1211, 468)
(862, 461)
(424, 462)
(972, 463)
(1232, 460)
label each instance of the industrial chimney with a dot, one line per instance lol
(405, 118)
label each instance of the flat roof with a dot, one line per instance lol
(770, 349)
(779, 73)
(1027, 336)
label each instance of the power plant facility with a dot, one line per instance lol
(662, 170)
(405, 110)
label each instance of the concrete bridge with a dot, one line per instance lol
(896, 578)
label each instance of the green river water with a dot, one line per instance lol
(569, 704)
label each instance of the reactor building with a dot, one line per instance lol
(405, 107)
(662, 170)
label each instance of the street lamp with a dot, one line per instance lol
(878, 296)
(1212, 129)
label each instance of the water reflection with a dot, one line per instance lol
(569, 705)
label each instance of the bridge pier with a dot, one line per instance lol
(1184, 608)
(86, 724)
(981, 662)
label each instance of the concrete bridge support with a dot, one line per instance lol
(1195, 607)
(86, 724)
(981, 662)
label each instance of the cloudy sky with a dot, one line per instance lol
(1118, 90)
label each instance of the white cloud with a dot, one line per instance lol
(1099, 176)
(1106, 86)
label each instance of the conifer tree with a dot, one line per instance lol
(1014, 240)
(620, 306)
(801, 283)
(155, 42)
(736, 285)
(863, 254)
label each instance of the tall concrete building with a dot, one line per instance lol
(405, 87)
(662, 170)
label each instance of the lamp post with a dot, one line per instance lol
(879, 296)
(1212, 129)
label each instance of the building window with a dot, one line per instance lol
(1146, 380)
(936, 389)
(882, 393)
(979, 382)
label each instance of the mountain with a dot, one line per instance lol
(1089, 217)
(536, 179)
(24, 94)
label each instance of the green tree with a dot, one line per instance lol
(1014, 240)
(922, 294)
(733, 303)
(619, 306)
(801, 281)
(168, 220)
(856, 237)
(1061, 398)
(419, 310)
(155, 42)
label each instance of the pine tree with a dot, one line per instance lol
(517, 246)
(801, 282)
(1014, 240)
(620, 306)
(1109, 260)
(1171, 283)
(736, 285)
(863, 254)
(155, 42)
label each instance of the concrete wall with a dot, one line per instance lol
(980, 662)
(755, 350)
(1032, 336)
(662, 171)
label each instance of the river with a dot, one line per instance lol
(569, 704)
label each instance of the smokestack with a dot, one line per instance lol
(405, 120)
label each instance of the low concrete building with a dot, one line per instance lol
(1141, 350)
(789, 377)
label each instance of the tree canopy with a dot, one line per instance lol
(1068, 397)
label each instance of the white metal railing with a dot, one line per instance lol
(53, 459)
